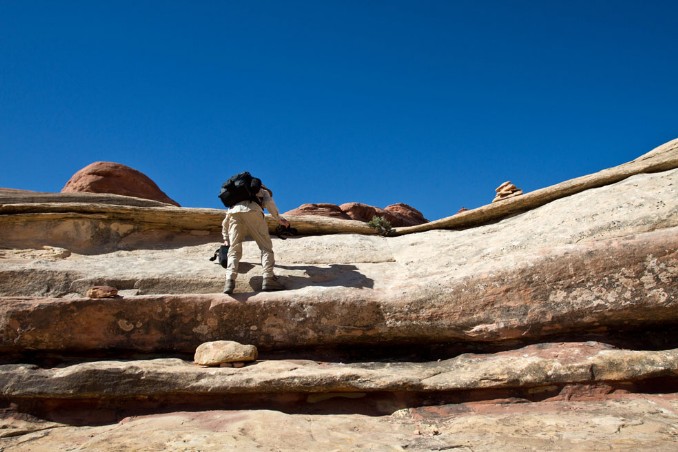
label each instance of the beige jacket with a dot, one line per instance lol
(249, 206)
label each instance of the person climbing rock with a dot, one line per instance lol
(246, 218)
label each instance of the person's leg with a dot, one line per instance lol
(258, 229)
(237, 231)
(224, 228)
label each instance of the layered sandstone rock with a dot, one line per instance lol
(506, 190)
(564, 300)
(115, 178)
(558, 365)
(633, 422)
(539, 392)
(596, 287)
(114, 224)
(37, 199)
(544, 272)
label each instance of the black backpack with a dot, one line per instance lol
(241, 187)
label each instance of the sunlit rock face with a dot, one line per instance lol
(498, 328)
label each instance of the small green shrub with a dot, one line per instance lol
(382, 225)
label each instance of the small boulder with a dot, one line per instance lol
(221, 352)
(55, 252)
(102, 292)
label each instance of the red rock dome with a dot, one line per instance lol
(397, 214)
(115, 178)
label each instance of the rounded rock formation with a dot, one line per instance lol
(115, 178)
(396, 214)
(361, 212)
(322, 209)
(407, 215)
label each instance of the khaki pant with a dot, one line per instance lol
(240, 226)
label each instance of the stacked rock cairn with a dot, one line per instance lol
(506, 190)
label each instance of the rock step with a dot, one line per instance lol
(629, 422)
(108, 227)
(178, 324)
(611, 285)
(100, 392)
(533, 367)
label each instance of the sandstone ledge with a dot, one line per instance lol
(662, 158)
(9, 196)
(97, 228)
(102, 223)
(566, 292)
(603, 262)
(544, 365)
(633, 422)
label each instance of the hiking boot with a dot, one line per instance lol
(271, 284)
(229, 286)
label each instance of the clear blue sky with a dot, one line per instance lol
(430, 103)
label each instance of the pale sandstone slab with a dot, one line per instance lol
(639, 204)
(530, 367)
(634, 422)
(593, 260)
(605, 284)
(30, 197)
(662, 158)
(98, 228)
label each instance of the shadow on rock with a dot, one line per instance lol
(343, 275)
(335, 275)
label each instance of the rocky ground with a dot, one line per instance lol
(633, 422)
(544, 321)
